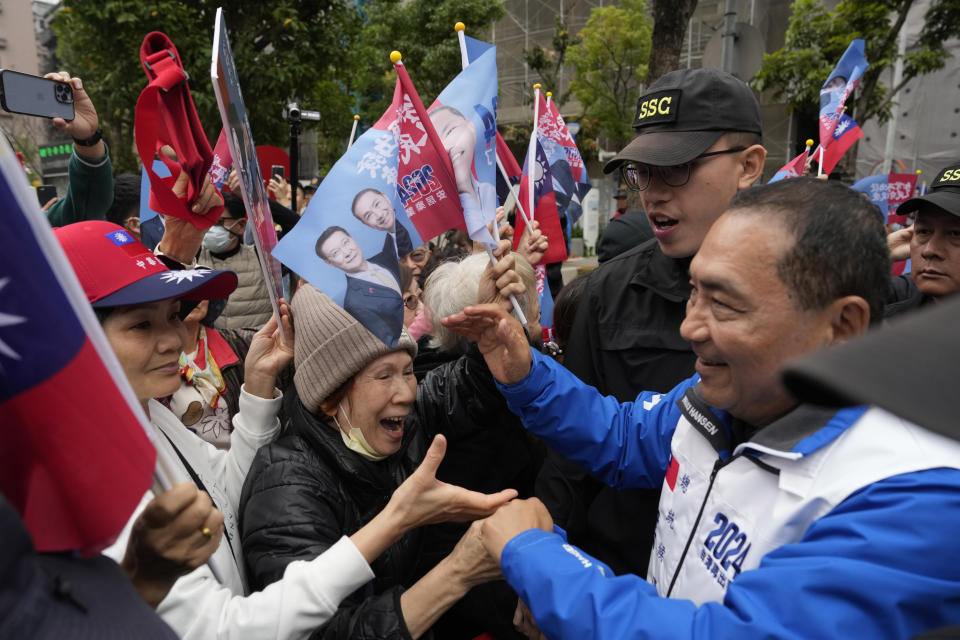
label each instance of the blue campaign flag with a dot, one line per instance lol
(465, 117)
(838, 87)
(348, 241)
(876, 188)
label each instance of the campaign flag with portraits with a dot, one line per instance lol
(76, 458)
(243, 154)
(544, 206)
(793, 169)
(351, 235)
(570, 180)
(839, 85)
(844, 135)
(464, 116)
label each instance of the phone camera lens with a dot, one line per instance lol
(63, 94)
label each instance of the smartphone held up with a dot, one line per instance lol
(35, 96)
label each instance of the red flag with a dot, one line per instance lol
(425, 181)
(76, 459)
(506, 157)
(220, 165)
(544, 209)
(792, 169)
(899, 189)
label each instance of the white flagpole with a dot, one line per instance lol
(532, 149)
(464, 63)
(353, 131)
(820, 164)
(513, 190)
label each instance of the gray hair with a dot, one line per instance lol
(453, 286)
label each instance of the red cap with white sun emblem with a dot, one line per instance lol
(116, 269)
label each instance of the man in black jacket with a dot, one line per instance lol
(697, 145)
(934, 246)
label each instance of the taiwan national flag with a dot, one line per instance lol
(544, 206)
(793, 169)
(570, 180)
(838, 87)
(75, 459)
(844, 135)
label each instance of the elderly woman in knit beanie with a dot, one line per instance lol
(347, 450)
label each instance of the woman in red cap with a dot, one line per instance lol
(140, 302)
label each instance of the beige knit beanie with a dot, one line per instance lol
(331, 346)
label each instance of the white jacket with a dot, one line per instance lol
(199, 606)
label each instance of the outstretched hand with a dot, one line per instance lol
(422, 499)
(499, 337)
(177, 532)
(269, 355)
(470, 560)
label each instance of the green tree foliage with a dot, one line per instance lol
(610, 66)
(422, 31)
(283, 49)
(817, 37)
(548, 63)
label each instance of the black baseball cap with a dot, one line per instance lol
(909, 367)
(684, 112)
(944, 193)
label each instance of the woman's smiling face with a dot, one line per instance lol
(147, 340)
(379, 399)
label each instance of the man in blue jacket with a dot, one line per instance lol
(777, 519)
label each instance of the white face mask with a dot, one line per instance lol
(217, 239)
(355, 441)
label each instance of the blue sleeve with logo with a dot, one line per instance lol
(883, 564)
(625, 445)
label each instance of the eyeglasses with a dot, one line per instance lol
(227, 223)
(636, 175)
(412, 301)
(418, 256)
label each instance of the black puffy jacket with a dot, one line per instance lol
(304, 492)
(307, 489)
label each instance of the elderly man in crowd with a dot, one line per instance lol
(776, 519)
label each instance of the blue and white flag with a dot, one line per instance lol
(838, 87)
(349, 239)
(465, 117)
